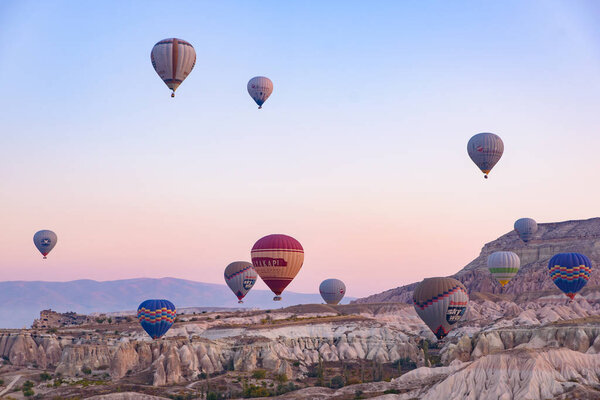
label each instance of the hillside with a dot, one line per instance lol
(540, 349)
(582, 236)
(21, 301)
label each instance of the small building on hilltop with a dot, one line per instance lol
(53, 319)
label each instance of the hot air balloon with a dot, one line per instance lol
(45, 241)
(485, 149)
(332, 290)
(526, 228)
(173, 60)
(503, 265)
(277, 260)
(156, 316)
(440, 302)
(260, 88)
(240, 276)
(570, 272)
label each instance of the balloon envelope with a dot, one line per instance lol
(277, 259)
(570, 272)
(503, 265)
(526, 228)
(485, 149)
(260, 88)
(332, 290)
(45, 241)
(173, 59)
(441, 303)
(240, 276)
(156, 316)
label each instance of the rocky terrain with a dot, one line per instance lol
(533, 344)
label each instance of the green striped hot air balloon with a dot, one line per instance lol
(503, 265)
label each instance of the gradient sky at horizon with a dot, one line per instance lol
(360, 153)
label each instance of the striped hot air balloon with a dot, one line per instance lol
(441, 303)
(277, 259)
(260, 88)
(45, 241)
(503, 265)
(485, 149)
(570, 272)
(156, 317)
(240, 276)
(526, 228)
(173, 59)
(332, 290)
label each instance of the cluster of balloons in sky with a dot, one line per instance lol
(173, 59)
(277, 258)
(441, 302)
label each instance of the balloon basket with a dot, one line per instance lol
(44, 258)
(240, 301)
(277, 298)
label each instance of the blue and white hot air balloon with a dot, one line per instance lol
(45, 241)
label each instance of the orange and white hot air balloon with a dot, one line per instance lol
(173, 59)
(277, 259)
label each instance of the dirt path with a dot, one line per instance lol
(10, 385)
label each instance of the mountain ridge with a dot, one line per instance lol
(21, 301)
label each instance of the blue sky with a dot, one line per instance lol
(360, 152)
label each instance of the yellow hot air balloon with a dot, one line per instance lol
(277, 260)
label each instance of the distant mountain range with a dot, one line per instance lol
(22, 301)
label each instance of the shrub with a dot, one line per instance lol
(1, 382)
(281, 378)
(259, 374)
(358, 394)
(391, 391)
(256, 391)
(337, 382)
(28, 392)
(202, 375)
(44, 376)
(100, 320)
(405, 363)
(86, 370)
(296, 363)
(28, 384)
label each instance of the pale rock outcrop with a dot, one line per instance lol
(517, 374)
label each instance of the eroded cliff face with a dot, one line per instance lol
(177, 359)
(581, 236)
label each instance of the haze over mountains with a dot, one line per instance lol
(21, 301)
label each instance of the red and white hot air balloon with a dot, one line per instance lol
(173, 59)
(277, 259)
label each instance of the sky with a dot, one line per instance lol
(360, 152)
